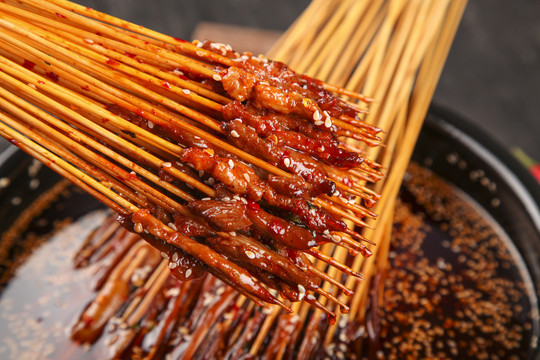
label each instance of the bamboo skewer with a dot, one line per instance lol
(395, 54)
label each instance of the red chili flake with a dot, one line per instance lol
(166, 85)
(104, 120)
(60, 16)
(153, 112)
(146, 43)
(53, 76)
(183, 77)
(139, 61)
(112, 62)
(179, 40)
(128, 54)
(85, 87)
(40, 82)
(253, 205)
(28, 64)
(88, 8)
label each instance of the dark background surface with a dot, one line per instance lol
(492, 76)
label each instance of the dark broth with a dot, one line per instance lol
(457, 287)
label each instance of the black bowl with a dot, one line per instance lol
(449, 146)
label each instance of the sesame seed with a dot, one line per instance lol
(211, 181)
(174, 257)
(150, 124)
(310, 297)
(326, 232)
(232, 233)
(318, 122)
(209, 152)
(138, 228)
(89, 41)
(4, 182)
(186, 91)
(32, 86)
(238, 119)
(216, 77)
(336, 238)
(235, 134)
(243, 200)
(164, 255)
(172, 226)
(188, 273)
(328, 122)
(16, 201)
(226, 198)
(205, 199)
(201, 173)
(173, 292)
(317, 115)
(246, 176)
(34, 184)
(167, 164)
(231, 164)
(250, 254)
(178, 72)
(172, 265)
(287, 162)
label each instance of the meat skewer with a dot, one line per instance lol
(153, 140)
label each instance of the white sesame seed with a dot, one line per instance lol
(186, 91)
(235, 134)
(250, 254)
(205, 199)
(164, 255)
(138, 228)
(178, 72)
(16, 201)
(188, 273)
(32, 86)
(216, 77)
(172, 226)
(199, 44)
(319, 122)
(167, 164)
(226, 198)
(243, 200)
(201, 173)
(232, 233)
(310, 297)
(317, 115)
(246, 176)
(336, 238)
(287, 162)
(301, 292)
(174, 257)
(89, 41)
(172, 265)
(282, 231)
(326, 232)
(150, 124)
(211, 181)
(328, 122)
(200, 53)
(231, 164)
(175, 291)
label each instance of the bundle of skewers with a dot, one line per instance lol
(225, 162)
(230, 164)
